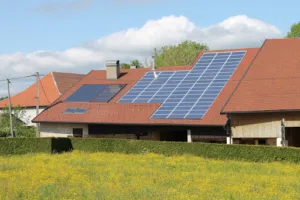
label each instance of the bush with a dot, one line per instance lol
(10, 146)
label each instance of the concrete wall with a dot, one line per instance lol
(61, 130)
(263, 125)
(66, 130)
(150, 136)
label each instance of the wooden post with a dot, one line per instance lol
(37, 103)
(9, 107)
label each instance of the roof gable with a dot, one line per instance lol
(272, 80)
(50, 88)
(64, 81)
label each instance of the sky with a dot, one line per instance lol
(79, 35)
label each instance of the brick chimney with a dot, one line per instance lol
(112, 69)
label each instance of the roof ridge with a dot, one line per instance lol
(67, 73)
(55, 83)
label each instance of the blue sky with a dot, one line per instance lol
(79, 35)
(26, 29)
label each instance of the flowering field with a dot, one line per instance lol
(81, 175)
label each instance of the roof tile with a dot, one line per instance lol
(113, 112)
(272, 81)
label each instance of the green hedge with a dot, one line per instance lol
(9, 146)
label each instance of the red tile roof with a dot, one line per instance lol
(116, 113)
(64, 81)
(50, 88)
(272, 81)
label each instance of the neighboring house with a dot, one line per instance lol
(265, 107)
(51, 86)
(169, 104)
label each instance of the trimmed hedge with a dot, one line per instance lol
(9, 146)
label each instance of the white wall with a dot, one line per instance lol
(60, 130)
(29, 115)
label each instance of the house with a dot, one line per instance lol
(51, 86)
(181, 103)
(264, 108)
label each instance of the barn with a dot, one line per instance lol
(179, 103)
(264, 107)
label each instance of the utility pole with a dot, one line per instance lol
(9, 107)
(37, 103)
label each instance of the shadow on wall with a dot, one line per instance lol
(61, 145)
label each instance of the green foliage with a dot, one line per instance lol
(2, 98)
(294, 31)
(11, 146)
(215, 151)
(132, 63)
(19, 127)
(125, 66)
(136, 63)
(178, 55)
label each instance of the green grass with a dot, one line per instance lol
(80, 175)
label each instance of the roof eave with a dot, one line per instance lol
(261, 111)
(133, 124)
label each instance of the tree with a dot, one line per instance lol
(136, 63)
(132, 63)
(19, 127)
(294, 31)
(125, 66)
(2, 98)
(178, 55)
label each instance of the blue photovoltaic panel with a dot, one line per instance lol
(95, 93)
(80, 110)
(75, 110)
(85, 93)
(186, 94)
(109, 92)
(70, 110)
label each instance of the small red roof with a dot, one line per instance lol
(120, 113)
(51, 87)
(272, 81)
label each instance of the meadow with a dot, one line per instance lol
(80, 175)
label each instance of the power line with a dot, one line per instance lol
(40, 82)
(13, 88)
(15, 78)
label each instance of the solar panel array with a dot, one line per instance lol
(95, 93)
(186, 94)
(75, 110)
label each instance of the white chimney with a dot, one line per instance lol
(112, 69)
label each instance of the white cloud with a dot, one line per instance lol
(234, 32)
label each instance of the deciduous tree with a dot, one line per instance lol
(19, 127)
(178, 55)
(294, 31)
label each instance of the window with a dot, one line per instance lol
(75, 111)
(77, 132)
(262, 142)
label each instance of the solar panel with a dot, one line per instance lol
(108, 93)
(95, 93)
(186, 94)
(70, 110)
(75, 110)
